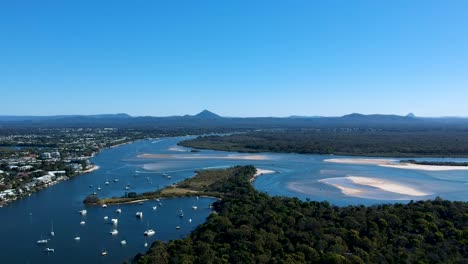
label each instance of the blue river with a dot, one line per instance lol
(147, 165)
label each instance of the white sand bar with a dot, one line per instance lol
(263, 171)
(363, 161)
(386, 185)
(410, 166)
(389, 163)
(225, 157)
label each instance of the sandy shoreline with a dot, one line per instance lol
(94, 168)
(381, 184)
(358, 161)
(410, 166)
(261, 172)
(390, 163)
(227, 157)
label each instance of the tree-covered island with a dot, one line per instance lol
(248, 226)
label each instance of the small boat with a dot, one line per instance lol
(155, 207)
(42, 241)
(146, 244)
(190, 220)
(116, 180)
(52, 233)
(127, 188)
(83, 212)
(106, 183)
(114, 221)
(104, 205)
(157, 200)
(198, 197)
(181, 213)
(139, 214)
(114, 232)
(149, 232)
(104, 253)
(94, 193)
(106, 217)
(77, 238)
(123, 242)
(98, 188)
(160, 204)
(194, 207)
(49, 250)
(118, 210)
(177, 227)
(169, 177)
(82, 222)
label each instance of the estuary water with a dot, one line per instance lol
(147, 165)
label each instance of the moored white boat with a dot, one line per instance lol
(49, 250)
(83, 212)
(139, 214)
(149, 232)
(114, 221)
(42, 241)
(114, 232)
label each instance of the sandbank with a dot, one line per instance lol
(227, 157)
(389, 163)
(411, 166)
(363, 161)
(261, 172)
(386, 185)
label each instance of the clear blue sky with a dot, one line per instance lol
(234, 57)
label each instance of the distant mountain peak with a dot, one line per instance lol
(207, 115)
(410, 115)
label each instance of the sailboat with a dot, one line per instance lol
(42, 241)
(49, 250)
(149, 232)
(52, 233)
(114, 232)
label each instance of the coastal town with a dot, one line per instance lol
(33, 160)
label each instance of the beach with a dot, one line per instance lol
(261, 172)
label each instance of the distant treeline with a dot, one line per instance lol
(363, 142)
(252, 227)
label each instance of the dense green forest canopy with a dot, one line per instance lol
(365, 142)
(252, 227)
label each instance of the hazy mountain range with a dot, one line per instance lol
(207, 119)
